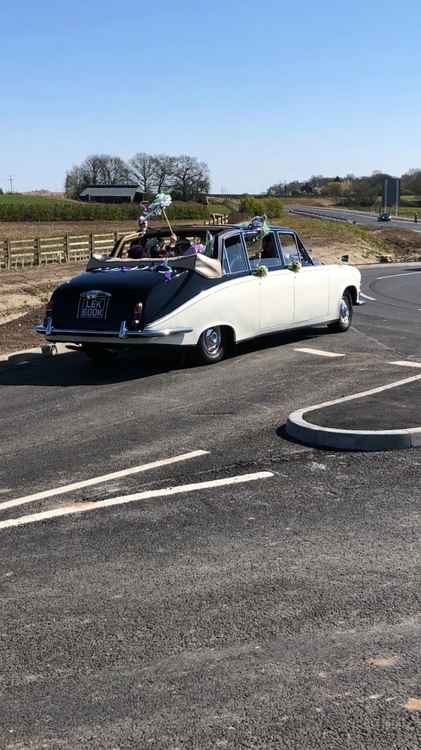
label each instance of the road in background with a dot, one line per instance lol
(279, 612)
(358, 217)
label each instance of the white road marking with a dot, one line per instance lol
(319, 352)
(98, 480)
(124, 499)
(372, 299)
(395, 275)
(405, 363)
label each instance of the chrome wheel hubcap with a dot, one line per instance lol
(212, 340)
(344, 312)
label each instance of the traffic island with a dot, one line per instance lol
(385, 418)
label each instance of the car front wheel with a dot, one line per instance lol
(211, 346)
(345, 315)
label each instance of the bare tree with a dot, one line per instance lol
(114, 170)
(184, 176)
(191, 178)
(76, 179)
(163, 171)
(142, 168)
(93, 166)
(97, 169)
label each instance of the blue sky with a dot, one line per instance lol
(262, 93)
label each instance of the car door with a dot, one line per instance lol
(311, 282)
(239, 299)
(277, 287)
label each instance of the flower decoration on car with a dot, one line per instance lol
(261, 271)
(295, 266)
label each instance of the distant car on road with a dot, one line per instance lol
(384, 217)
(230, 284)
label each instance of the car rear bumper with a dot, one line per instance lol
(122, 337)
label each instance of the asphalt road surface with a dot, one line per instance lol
(254, 593)
(359, 217)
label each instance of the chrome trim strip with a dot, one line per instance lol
(148, 333)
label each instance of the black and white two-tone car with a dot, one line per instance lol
(213, 287)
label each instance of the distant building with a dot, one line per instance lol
(112, 194)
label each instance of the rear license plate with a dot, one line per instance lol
(93, 306)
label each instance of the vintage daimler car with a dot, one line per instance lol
(209, 289)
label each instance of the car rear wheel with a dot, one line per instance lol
(98, 354)
(211, 346)
(345, 315)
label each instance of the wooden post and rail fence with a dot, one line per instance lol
(67, 248)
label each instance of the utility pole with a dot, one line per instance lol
(11, 178)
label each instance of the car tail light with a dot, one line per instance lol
(137, 314)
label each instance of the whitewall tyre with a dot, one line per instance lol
(345, 315)
(211, 346)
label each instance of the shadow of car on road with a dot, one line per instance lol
(75, 369)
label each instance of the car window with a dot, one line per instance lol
(292, 249)
(262, 250)
(234, 259)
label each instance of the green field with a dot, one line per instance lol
(37, 208)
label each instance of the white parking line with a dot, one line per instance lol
(372, 299)
(98, 480)
(395, 275)
(124, 499)
(319, 352)
(405, 363)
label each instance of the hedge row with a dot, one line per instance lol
(272, 207)
(28, 208)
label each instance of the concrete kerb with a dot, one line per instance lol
(317, 436)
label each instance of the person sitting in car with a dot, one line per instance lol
(138, 248)
(268, 247)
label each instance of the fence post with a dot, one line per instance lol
(37, 252)
(115, 236)
(66, 247)
(91, 244)
(7, 252)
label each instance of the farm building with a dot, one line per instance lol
(112, 194)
